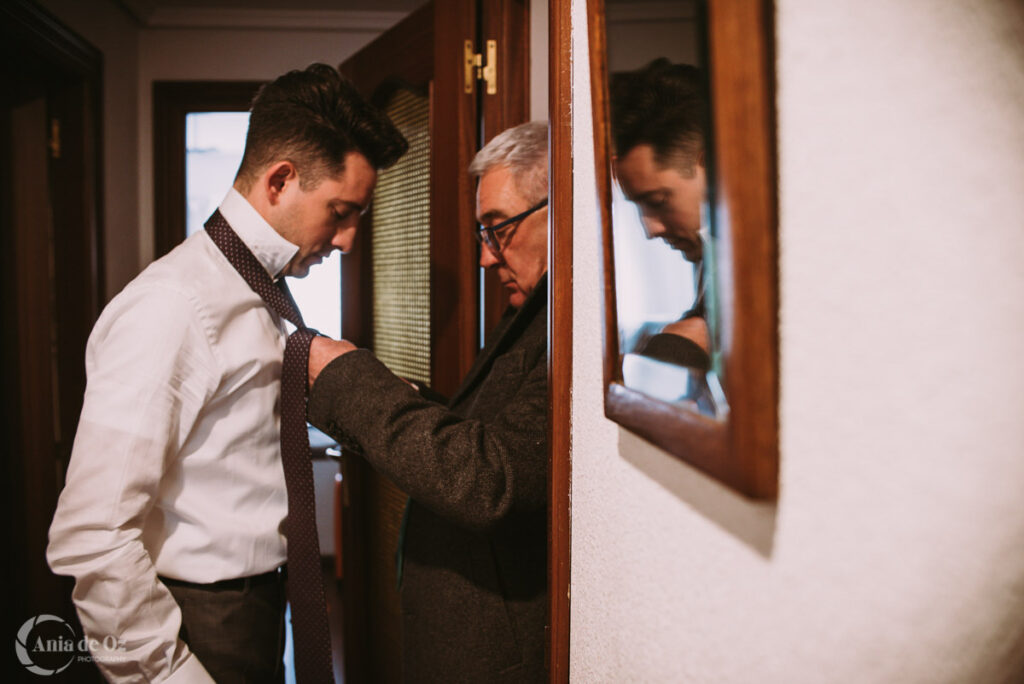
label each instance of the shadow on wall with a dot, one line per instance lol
(751, 522)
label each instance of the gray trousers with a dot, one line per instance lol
(236, 627)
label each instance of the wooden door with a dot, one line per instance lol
(411, 285)
(507, 23)
(50, 231)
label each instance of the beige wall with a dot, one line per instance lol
(896, 550)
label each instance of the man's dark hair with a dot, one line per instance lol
(662, 105)
(313, 118)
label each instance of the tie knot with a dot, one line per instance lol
(276, 295)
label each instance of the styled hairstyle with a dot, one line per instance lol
(313, 118)
(662, 105)
(524, 150)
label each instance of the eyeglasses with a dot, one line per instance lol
(488, 235)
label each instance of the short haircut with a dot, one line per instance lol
(662, 105)
(523, 149)
(313, 118)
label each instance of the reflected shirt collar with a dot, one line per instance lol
(270, 249)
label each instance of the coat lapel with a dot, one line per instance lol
(508, 330)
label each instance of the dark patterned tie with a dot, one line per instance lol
(310, 630)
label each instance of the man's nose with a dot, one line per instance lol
(488, 258)
(653, 227)
(343, 239)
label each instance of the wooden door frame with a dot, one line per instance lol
(560, 244)
(508, 23)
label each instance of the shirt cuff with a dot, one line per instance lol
(191, 671)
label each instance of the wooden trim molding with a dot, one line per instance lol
(738, 447)
(560, 244)
(241, 18)
(743, 87)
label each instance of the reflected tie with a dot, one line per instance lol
(310, 630)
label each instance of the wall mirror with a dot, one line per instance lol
(684, 150)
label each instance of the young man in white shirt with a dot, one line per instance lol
(171, 518)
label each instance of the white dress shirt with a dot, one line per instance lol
(176, 467)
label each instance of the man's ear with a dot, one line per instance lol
(700, 160)
(277, 178)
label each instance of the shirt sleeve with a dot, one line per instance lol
(150, 370)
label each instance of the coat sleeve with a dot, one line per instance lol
(677, 350)
(472, 471)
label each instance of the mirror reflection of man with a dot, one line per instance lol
(473, 565)
(658, 117)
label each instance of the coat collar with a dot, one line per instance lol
(509, 329)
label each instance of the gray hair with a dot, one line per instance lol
(524, 150)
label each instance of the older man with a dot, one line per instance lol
(475, 548)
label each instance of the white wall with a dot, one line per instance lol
(896, 550)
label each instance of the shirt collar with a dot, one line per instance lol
(266, 244)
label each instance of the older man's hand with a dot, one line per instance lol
(323, 350)
(694, 328)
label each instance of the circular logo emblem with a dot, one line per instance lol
(45, 645)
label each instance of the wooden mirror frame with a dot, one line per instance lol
(739, 449)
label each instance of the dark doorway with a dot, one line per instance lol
(50, 223)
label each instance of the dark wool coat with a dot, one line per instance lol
(475, 553)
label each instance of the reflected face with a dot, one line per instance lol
(326, 217)
(670, 201)
(523, 258)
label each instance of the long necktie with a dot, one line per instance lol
(310, 630)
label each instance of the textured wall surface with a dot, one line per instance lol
(895, 552)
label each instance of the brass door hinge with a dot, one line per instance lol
(476, 70)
